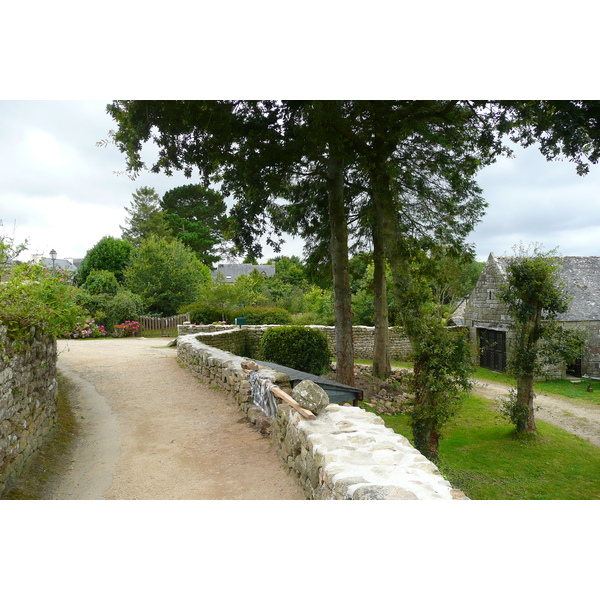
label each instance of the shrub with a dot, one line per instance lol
(32, 295)
(88, 328)
(201, 312)
(111, 310)
(126, 329)
(101, 282)
(296, 347)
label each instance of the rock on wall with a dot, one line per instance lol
(345, 453)
(28, 396)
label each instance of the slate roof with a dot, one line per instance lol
(60, 263)
(233, 271)
(582, 277)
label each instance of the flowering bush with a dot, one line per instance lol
(129, 327)
(88, 329)
(31, 295)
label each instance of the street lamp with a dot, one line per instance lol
(53, 257)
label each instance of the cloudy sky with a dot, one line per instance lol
(62, 191)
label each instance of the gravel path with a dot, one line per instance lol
(583, 420)
(150, 430)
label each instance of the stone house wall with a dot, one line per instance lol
(485, 311)
(345, 453)
(28, 397)
(246, 342)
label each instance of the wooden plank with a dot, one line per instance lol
(287, 399)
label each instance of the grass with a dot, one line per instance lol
(482, 456)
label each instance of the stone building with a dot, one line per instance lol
(488, 320)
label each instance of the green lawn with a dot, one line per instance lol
(482, 456)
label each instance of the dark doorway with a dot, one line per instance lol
(574, 370)
(492, 349)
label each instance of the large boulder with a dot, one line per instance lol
(310, 396)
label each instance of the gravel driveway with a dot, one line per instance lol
(578, 418)
(151, 430)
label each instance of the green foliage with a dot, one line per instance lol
(145, 217)
(110, 310)
(205, 313)
(320, 302)
(101, 282)
(109, 254)
(513, 411)
(34, 296)
(262, 315)
(197, 217)
(8, 251)
(363, 301)
(165, 274)
(296, 347)
(534, 296)
(443, 367)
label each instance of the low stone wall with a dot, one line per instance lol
(345, 453)
(28, 396)
(247, 340)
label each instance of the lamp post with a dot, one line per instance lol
(53, 257)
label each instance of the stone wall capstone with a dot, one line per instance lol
(28, 398)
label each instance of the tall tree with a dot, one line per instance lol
(535, 296)
(197, 217)
(145, 217)
(259, 151)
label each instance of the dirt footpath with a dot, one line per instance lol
(150, 430)
(583, 420)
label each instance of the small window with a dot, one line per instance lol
(489, 294)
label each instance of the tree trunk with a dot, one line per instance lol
(341, 272)
(526, 415)
(381, 352)
(424, 420)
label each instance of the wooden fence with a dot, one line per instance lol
(166, 325)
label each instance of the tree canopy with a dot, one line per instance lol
(109, 254)
(145, 217)
(197, 217)
(165, 274)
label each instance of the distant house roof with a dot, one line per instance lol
(581, 275)
(61, 263)
(232, 271)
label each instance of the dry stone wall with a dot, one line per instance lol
(28, 396)
(247, 340)
(345, 453)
